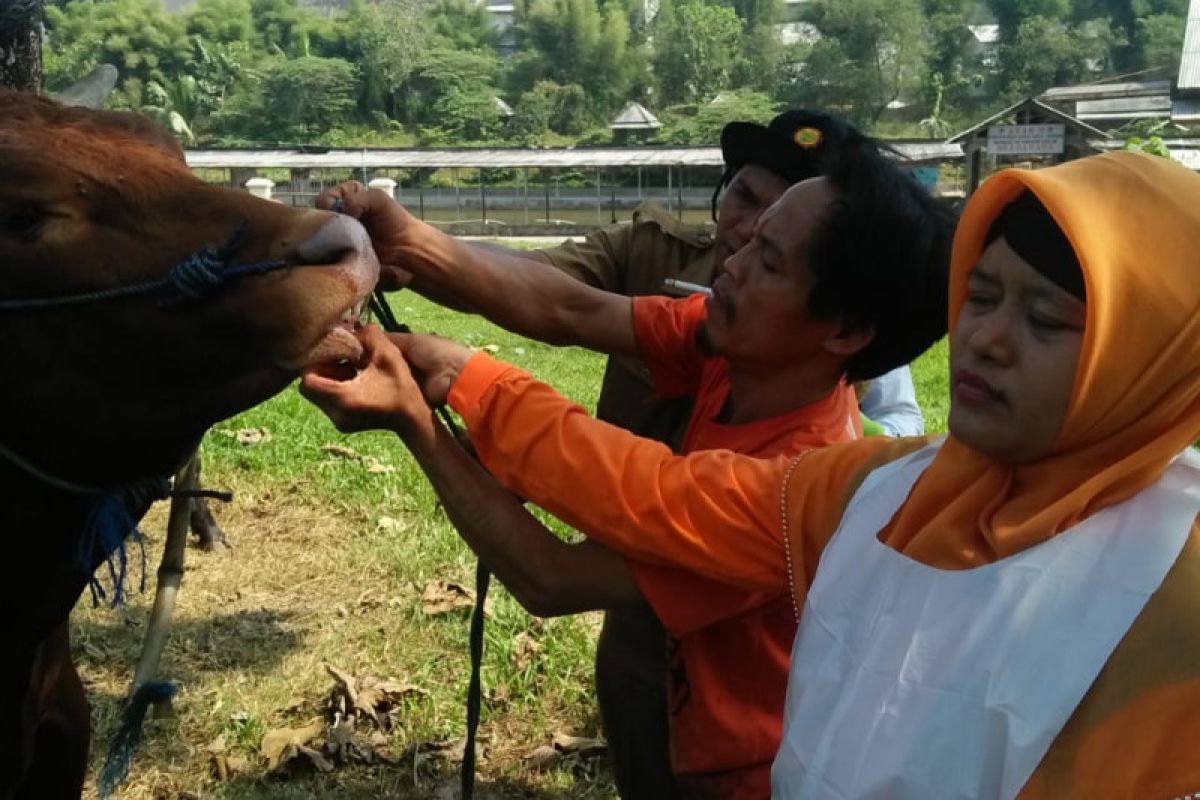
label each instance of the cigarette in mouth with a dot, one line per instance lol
(683, 287)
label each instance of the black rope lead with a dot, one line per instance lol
(475, 687)
(388, 321)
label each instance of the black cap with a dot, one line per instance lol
(793, 146)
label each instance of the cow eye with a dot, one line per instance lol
(22, 221)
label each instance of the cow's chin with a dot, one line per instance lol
(339, 344)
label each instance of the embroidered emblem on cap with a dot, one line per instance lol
(807, 137)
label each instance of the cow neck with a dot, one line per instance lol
(82, 527)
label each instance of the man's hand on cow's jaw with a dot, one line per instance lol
(377, 392)
(391, 228)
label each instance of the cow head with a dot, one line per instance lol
(107, 391)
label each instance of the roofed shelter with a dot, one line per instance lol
(1027, 130)
(634, 122)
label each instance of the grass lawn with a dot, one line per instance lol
(333, 550)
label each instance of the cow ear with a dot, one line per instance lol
(92, 90)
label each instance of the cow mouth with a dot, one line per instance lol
(340, 343)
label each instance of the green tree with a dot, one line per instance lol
(703, 127)
(291, 100)
(175, 106)
(282, 26)
(948, 36)
(574, 42)
(1010, 14)
(869, 54)
(465, 115)
(463, 25)
(221, 21)
(1158, 42)
(758, 12)
(759, 60)
(549, 107)
(387, 41)
(137, 36)
(1145, 33)
(443, 71)
(1048, 52)
(696, 46)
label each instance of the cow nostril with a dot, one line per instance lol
(332, 241)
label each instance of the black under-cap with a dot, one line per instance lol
(1033, 235)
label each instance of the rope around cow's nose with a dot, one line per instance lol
(199, 275)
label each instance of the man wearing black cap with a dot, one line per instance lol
(766, 373)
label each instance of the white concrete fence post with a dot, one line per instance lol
(260, 187)
(386, 184)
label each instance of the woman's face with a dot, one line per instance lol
(1013, 355)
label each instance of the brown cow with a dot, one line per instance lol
(100, 399)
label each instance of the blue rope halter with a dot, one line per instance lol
(199, 275)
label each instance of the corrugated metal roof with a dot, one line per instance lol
(1104, 91)
(1124, 107)
(1189, 64)
(561, 158)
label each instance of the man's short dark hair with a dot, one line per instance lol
(881, 259)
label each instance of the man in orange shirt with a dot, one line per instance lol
(766, 357)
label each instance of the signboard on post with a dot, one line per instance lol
(1015, 140)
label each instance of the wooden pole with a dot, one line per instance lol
(170, 575)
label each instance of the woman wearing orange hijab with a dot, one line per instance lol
(1013, 611)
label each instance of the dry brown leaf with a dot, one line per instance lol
(226, 767)
(525, 647)
(341, 451)
(367, 695)
(544, 756)
(579, 745)
(275, 743)
(442, 597)
(348, 684)
(375, 466)
(565, 748)
(250, 436)
(314, 757)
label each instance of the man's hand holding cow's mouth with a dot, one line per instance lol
(393, 386)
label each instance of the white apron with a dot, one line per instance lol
(914, 682)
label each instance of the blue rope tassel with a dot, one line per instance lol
(125, 741)
(111, 522)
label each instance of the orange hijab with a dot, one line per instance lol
(1134, 222)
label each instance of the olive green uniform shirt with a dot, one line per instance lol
(634, 260)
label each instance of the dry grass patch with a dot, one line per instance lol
(306, 586)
